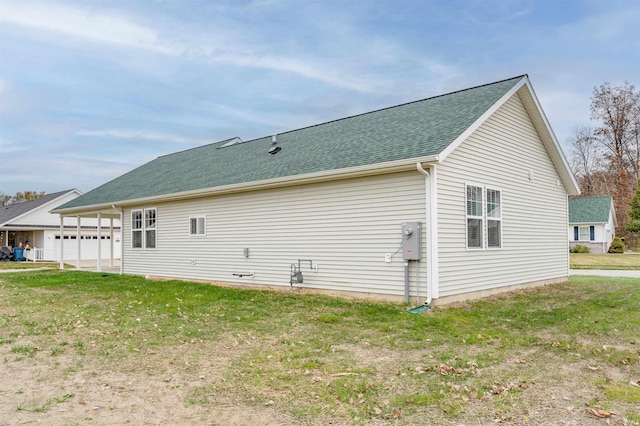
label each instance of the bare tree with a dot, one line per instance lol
(606, 159)
(6, 200)
(586, 159)
(617, 108)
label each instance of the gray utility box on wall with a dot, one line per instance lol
(411, 238)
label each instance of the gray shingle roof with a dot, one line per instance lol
(8, 213)
(589, 209)
(416, 129)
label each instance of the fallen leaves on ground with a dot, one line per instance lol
(598, 412)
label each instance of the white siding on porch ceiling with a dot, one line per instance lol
(502, 154)
(345, 227)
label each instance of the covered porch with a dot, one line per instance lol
(104, 219)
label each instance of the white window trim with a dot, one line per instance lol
(495, 219)
(141, 229)
(204, 226)
(467, 217)
(588, 228)
(155, 228)
(484, 218)
(144, 229)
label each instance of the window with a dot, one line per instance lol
(136, 229)
(585, 233)
(474, 217)
(484, 217)
(150, 228)
(197, 225)
(143, 232)
(494, 219)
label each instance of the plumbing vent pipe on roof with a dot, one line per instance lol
(274, 145)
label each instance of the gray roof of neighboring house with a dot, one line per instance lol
(10, 212)
(590, 209)
(416, 129)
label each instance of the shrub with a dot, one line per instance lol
(617, 246)
(579, 248)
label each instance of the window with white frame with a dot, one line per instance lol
(150, 228)
(143, 228)
(197, 226)
(484, 217)
(584, 233)
(475, 222)
(136, 229)
(494, 218)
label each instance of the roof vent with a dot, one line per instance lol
(230, 142)
(274, 146)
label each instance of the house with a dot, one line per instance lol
(451, 197)
(31, 223)
(592, 222)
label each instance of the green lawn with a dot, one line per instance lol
(28, 265)
(605, 261)
(541, 356)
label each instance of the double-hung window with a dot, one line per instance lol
(136, 229)
(584, 233)
(150, 228)
(475, 222)
(494, 219)
(143, 228)
(484, 217)
(197, 226)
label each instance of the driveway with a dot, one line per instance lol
(607, 273)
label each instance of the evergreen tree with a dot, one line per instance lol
(634, 213)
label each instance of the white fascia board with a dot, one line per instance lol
(323, 176)
(613, 214)
(488, 113)
(41, 207)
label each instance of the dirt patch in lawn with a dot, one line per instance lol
(158, 387)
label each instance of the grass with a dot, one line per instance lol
(28, 265)
(605, 261)
(321, 360)
(43, 407)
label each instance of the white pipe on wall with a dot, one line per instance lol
(431, 231)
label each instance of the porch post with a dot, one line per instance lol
(61, 254)
(110, 242)
(99, 262)
(78, 235)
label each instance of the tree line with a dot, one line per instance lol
(7, 200)
(605, 158)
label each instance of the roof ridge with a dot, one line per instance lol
(351, 116)
(590, 196)
(200, 146)
(394, 106)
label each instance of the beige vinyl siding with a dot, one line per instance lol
(501, 154)
(345, 227)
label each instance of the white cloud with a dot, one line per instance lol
(143, 135)
(85, 23)
(88, 24)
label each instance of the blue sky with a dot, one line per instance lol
(92, 89)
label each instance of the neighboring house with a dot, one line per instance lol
(31, 223)
(592, 223)
(476, 174)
